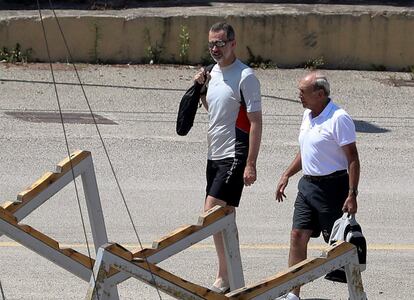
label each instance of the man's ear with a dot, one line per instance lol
(321, 93)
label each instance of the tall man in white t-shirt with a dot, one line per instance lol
(329, 160)
(233, 102)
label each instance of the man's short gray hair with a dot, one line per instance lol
(227, 28)
(321, 83)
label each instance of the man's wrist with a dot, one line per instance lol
(251, 164)
(353, 192)
(285, 175)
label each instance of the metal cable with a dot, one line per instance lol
(2, 292)
(104, 147)
(66, 142)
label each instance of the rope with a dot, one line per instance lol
(104, 146)
(66, 141)
(2, 292)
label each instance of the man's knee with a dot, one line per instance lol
(210, 202)
(300, 236)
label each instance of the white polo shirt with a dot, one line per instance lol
(321, 139)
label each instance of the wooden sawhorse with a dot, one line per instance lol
(11, 213)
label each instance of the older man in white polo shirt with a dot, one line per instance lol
(329, 160)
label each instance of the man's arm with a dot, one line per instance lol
(203, 100)
(203, 77)
(351, 154)
(255, 137)
(294, 167)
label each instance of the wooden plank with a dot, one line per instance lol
(212, 215)
(43, 182)
(7, 216)
(40, 236)
(144, 253)
(11, 206)
(79, 257)
(120, 251)
(301, 268)
(76, 157)
(6, 204)
(137, 254)
(175, 236)
(207, 218)
(180, 282)
(49, 177)
(337, 249)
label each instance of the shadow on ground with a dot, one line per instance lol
(366, 127)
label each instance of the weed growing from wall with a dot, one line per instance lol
(315, 63)
(258, 61)
(411, 69)
(15, 55)
(379, 68)
(184, 44)
(98, 37)
(152, 53)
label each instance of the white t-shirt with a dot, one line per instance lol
(321, 139)
(229, 127)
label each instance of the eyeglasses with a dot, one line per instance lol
(218, 44)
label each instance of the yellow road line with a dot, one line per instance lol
(379, 247)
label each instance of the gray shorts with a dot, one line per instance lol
(319, 203)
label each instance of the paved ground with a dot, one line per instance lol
(121, 4)
(163, 175)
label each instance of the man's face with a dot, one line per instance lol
(221, 49)
(308, 96)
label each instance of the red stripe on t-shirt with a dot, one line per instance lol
(242, 121)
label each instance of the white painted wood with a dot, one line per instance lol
(93, 203)
(181, 245)
(85, 168)
(113, 292)
(345, 259)
(225, 224)
(232, 251)
(354, 279)
(308, 277)
(97, 289)
(48, 192)
(45, 250)
(348, 259)
(145, 276)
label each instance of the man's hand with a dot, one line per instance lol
(350, 205)
(249, 175)
(280, 189)
(202, 76)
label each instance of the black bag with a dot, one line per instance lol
(347, 229)
(188, 106)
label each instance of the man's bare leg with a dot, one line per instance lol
(222, 275)
(299, 239)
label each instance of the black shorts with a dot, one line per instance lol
(225, 179)
(319, 203)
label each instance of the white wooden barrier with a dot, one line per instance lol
(341, 254)
(11, 213)
(113, 256)
(217, 219)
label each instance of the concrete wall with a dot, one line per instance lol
(361, 40)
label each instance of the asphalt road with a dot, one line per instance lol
(162, 174)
